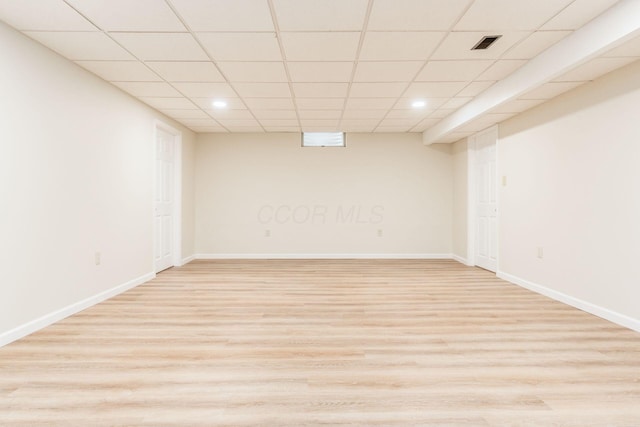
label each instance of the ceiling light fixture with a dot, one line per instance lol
(219, 104)
(418, 104)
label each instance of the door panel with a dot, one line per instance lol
(164, 200)
(486, 204)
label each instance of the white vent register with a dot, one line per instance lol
(323, 139)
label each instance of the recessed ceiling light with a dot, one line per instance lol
(418, 104)
(219, 104)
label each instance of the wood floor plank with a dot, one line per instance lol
(324, 342)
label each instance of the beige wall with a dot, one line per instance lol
(75, 178)
(459, 219)
(573, 188)
(329, 201)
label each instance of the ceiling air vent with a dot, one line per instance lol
(485, 42)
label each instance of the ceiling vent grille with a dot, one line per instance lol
(485, 42)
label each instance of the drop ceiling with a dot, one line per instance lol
(314, 65)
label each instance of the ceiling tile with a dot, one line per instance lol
(233, 103)
(399, 46)
(432, 103)
(399, 122)
(457, 45)
(320, 71)
(183, 71)
(594, 69)
(457, 102)
(535, 44)
(320, 103)
(442, 71)
(415, 15)
(185, 114)
(630, 48)
(199, 122)
(335, 46)
(501, 69)
(122, 71)
(270, 103)
(127, 15)
(225, 15)
(370, 103)
(441, 113)
(169, 103)
(205, 90)
(325, 15)
(325, 124)
(509, 14)
(408, 114)
(275, 114)
(162, 46)
(387, 71)
(392, 129)
(279, 123)
(241, 46)
(424, 125)
(475, 88)
(288, 129)
(357, 125)
(208, 129)
(320, 114)
(550, 90)
(320, 90)
(42, 15)
(577, 14)
(243, 123)
(81, 45)
(365, 114)
(225, 113)
(434, 90)
(149, 89)
(254, 71)
(517, 106)
(263, 90)
(377, 90)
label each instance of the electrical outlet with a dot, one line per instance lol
(504, 180)
(98, 257)
(379, 232)
(540, 252)
(267, 233)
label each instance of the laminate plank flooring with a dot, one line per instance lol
(324, 343)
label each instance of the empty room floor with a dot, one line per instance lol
(324, 342)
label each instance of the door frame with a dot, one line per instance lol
(176, 259)
(472, 195)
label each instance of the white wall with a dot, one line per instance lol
(573, 188)
(459, 219)
(329, 201)
(76, 159)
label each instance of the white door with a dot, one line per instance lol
(164, 200)
(486, 203)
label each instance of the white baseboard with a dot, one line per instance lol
(46, 320)
(323, 256)
(460, 259)
(187, 260)
(605, 313)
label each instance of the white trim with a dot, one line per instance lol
(460, 259)
(605, 313)
(177, 190)
(48, 319)
(187, 260)
(323, 256)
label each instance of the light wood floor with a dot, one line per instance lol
(294, 343)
